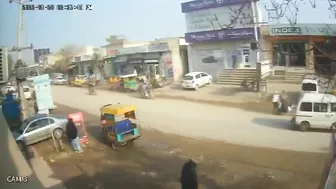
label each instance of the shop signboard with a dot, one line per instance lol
(208, 4)
(78, 119)
(303, 30)
(219, 18)
(220, 35)
(43, 92)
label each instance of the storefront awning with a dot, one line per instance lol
(152, 61)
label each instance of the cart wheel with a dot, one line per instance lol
(113, 146)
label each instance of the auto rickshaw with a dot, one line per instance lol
(79, 81)
(119, 127)
(129, 82)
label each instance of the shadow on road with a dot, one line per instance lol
(277, 123)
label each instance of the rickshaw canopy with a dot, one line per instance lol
(117, 109)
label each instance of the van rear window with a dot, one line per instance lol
(306, 107)
(309, 87)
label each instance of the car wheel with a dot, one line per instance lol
(210, 81)
(196, 87)
(58, 133)
(304, 126)
(21, 145)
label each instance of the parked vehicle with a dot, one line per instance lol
(195, 80)
(310, 84)
(79, 81)
(38, 128)
(315, 111)
(7, 88)
(119, 126)
(59, 81)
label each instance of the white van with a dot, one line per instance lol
(315, 111)
(310, 84)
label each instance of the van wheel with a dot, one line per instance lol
(333, 126)
(304, 126)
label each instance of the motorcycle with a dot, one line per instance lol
(92, 90)
(146, 91)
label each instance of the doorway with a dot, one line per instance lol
(289, 54)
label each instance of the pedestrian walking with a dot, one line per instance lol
(72, 134)
(188, 178)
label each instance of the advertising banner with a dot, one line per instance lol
(219, 18)
(43, 92)
(208, 4)
(220, 35)
(78, 119)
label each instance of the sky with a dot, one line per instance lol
(138, 20)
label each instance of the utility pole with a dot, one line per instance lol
(18, 49)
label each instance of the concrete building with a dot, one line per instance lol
(217, 40)
(49, 60)
(165, 57)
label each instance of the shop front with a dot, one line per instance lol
(216, 41)
(300, 47)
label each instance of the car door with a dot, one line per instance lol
(199, 79)
(321, 117)
(205, 78)
(37, 130)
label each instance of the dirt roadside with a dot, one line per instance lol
(156, 160)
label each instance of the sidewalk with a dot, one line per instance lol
(211, 93)
(14, 164)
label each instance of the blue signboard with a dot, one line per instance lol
(43, 92)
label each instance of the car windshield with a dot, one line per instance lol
(26, 89)
(60, 78)
(188, 77)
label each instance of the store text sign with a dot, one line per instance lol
(303, 30)
(287, 30)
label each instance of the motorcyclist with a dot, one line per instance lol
(91, 84)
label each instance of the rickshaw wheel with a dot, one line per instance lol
(113, 146)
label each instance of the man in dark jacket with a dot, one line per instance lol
(72, 133)
(188, 178)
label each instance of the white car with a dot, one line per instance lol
(195, 80)
(59, 81)
(7, 88)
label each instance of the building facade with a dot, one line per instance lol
(162, 57)
(301, 46)
(219, 36)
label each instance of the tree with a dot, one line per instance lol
(115, 39)
(289, 9)
(66, 54)
(96, 57)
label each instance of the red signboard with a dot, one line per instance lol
(78, 119)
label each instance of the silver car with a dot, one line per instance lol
(40, 127)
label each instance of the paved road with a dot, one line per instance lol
(202, 121)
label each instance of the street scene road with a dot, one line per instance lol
(156, 160)
(202, 121)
